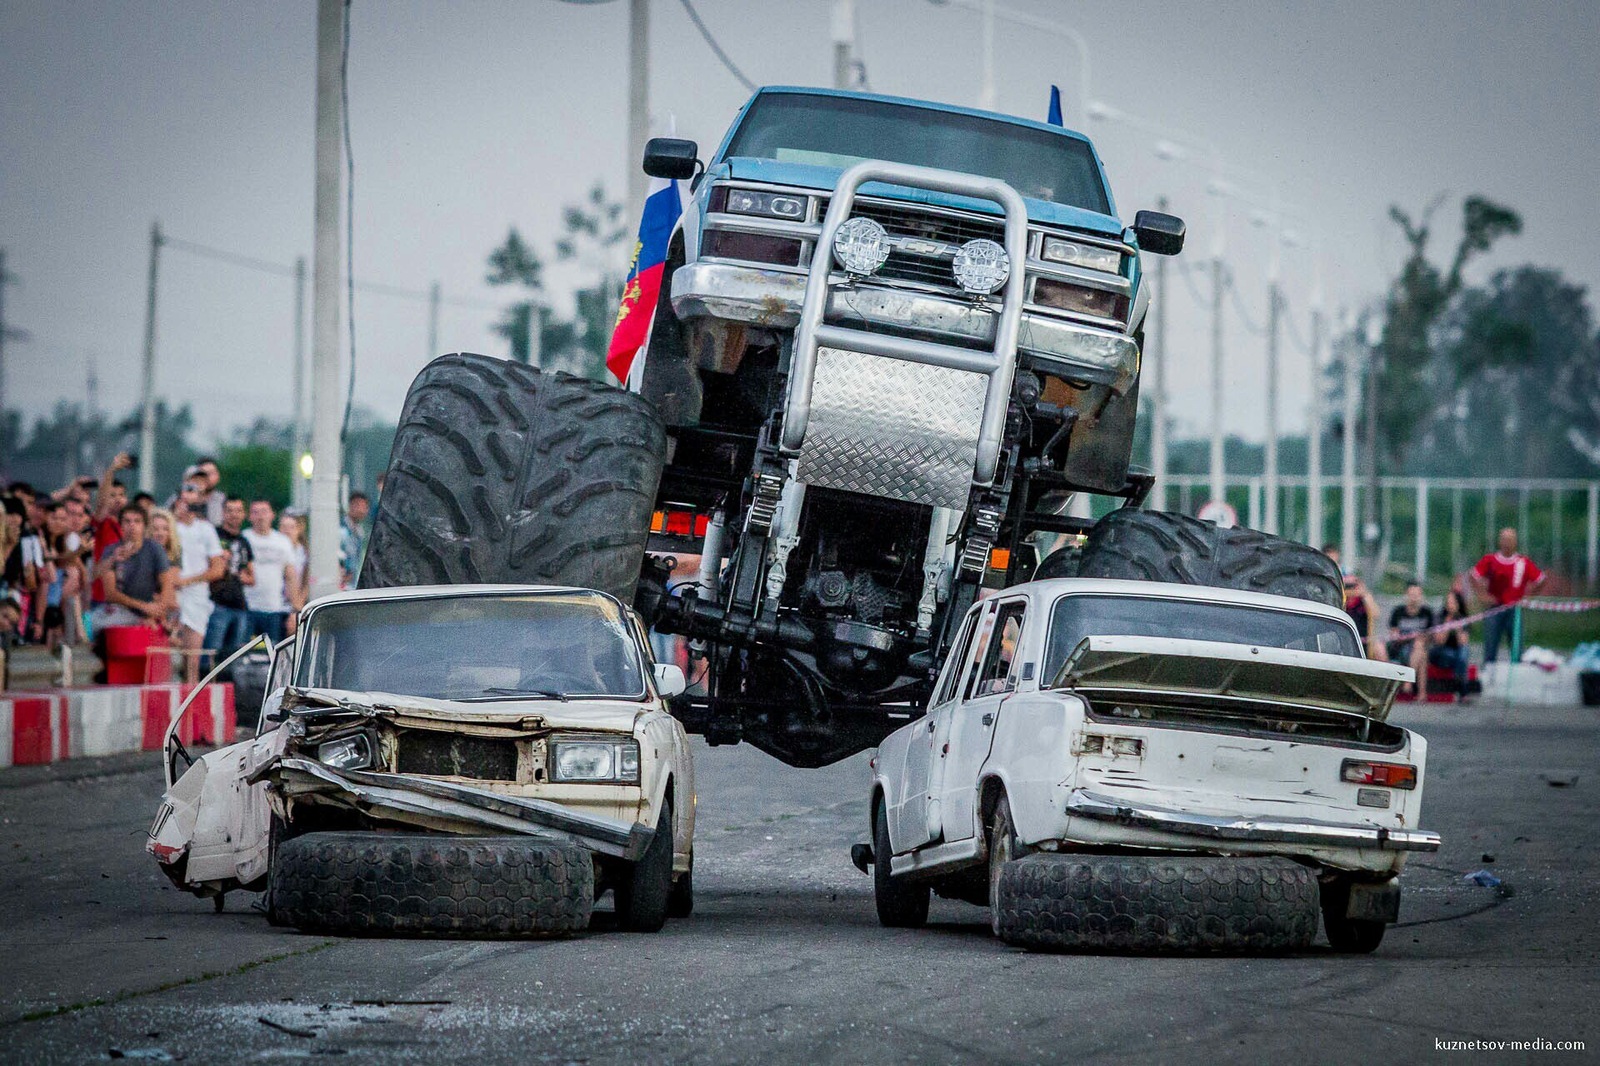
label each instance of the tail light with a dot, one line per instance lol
(679, 523)
(1387, 774)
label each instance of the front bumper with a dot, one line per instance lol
(448, 807)
(1253, 830)
(773, 298)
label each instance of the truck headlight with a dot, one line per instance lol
(770, 204)
(595, 760)
(353, 752)
(981, 266)
(1088, 256)
(861, 245)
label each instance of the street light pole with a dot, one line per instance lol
(298, 437)
(325, 445)
(638, 101)
(1314, 532)
(1158, 392)
(1347, 459)
(1218, 461)
(844, 43)
(147, 404)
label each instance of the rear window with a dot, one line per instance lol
(1079, 615)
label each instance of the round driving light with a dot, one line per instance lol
(861, 246)
(981, 266)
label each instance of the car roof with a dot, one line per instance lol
(1051, 588)
(413, 592)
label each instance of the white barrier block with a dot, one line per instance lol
(5, 732)
(106, 721)
(1527, 685)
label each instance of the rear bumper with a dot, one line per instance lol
(772, 299)
(1305, 832)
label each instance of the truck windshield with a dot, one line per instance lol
(840, 131)
(1078, 615)
(474, 647)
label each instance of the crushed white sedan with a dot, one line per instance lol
(1133, 765)
(451, 759)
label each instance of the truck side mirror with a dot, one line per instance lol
(1158, 233)
(671, 157)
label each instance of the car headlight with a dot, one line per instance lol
(595, 760)
(981, 266)
(1088, 256)
(861, 245)
(353, 752)
(770, 204)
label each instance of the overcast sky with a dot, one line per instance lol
(471, 117)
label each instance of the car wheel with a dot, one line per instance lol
(500, 473)
(1003, 848)
(901, 904)
(422, 884)
(680, 904)
(644, 890)
(1178, 904)
(1348, 936)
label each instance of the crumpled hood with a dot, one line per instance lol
(607, 715)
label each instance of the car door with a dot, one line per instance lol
(972, 718)
(253, 823)
(913, 817)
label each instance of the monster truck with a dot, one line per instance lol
(893, 339)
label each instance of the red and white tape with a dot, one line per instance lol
(47, 726)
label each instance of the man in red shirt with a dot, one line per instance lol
(1507, 576)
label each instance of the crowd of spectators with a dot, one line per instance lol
(208, 568)
(1420, 637)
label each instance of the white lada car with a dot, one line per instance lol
(1143, 766)
(464, 758)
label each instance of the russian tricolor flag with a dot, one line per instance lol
(662, 208)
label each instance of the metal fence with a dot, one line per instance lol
(1429, 527)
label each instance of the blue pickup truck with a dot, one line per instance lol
(894, 339)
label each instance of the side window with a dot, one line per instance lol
(278, 678)
(1001, 655)
(956, 663)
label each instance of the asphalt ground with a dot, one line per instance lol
(784, 961)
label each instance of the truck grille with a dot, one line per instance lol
(452, 755)
(906, 221)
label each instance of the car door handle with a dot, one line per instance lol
(988, 718)
(930, 727)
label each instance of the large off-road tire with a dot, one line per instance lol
(500, 473)
(644, 891)
(1163, 546)
(1183, 904)
(402, 884)
(901, 904)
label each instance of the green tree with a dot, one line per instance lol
(515, 263)
(256, 472)
(1409, 376)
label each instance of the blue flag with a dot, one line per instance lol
(1055, 106)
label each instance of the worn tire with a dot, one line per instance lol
(680, 904)
(500, 473)
(388, 884)
(644, 891)
(1163, 546)
(1141, 903)
(901, 904)
(1004, 849)
(1348, 936)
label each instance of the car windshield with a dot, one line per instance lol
(1079, 615)
(537, 645)
(839, 131)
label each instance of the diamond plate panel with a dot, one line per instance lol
(887, 427)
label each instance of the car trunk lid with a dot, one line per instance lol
(1205, 672)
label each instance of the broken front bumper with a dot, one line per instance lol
(1303, 832)
(772, 299)
(448, 807)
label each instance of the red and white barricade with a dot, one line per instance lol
(43, 727)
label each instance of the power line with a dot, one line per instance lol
(1295, 337)
(265, 266)
(694, 16)
(1250, 325)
